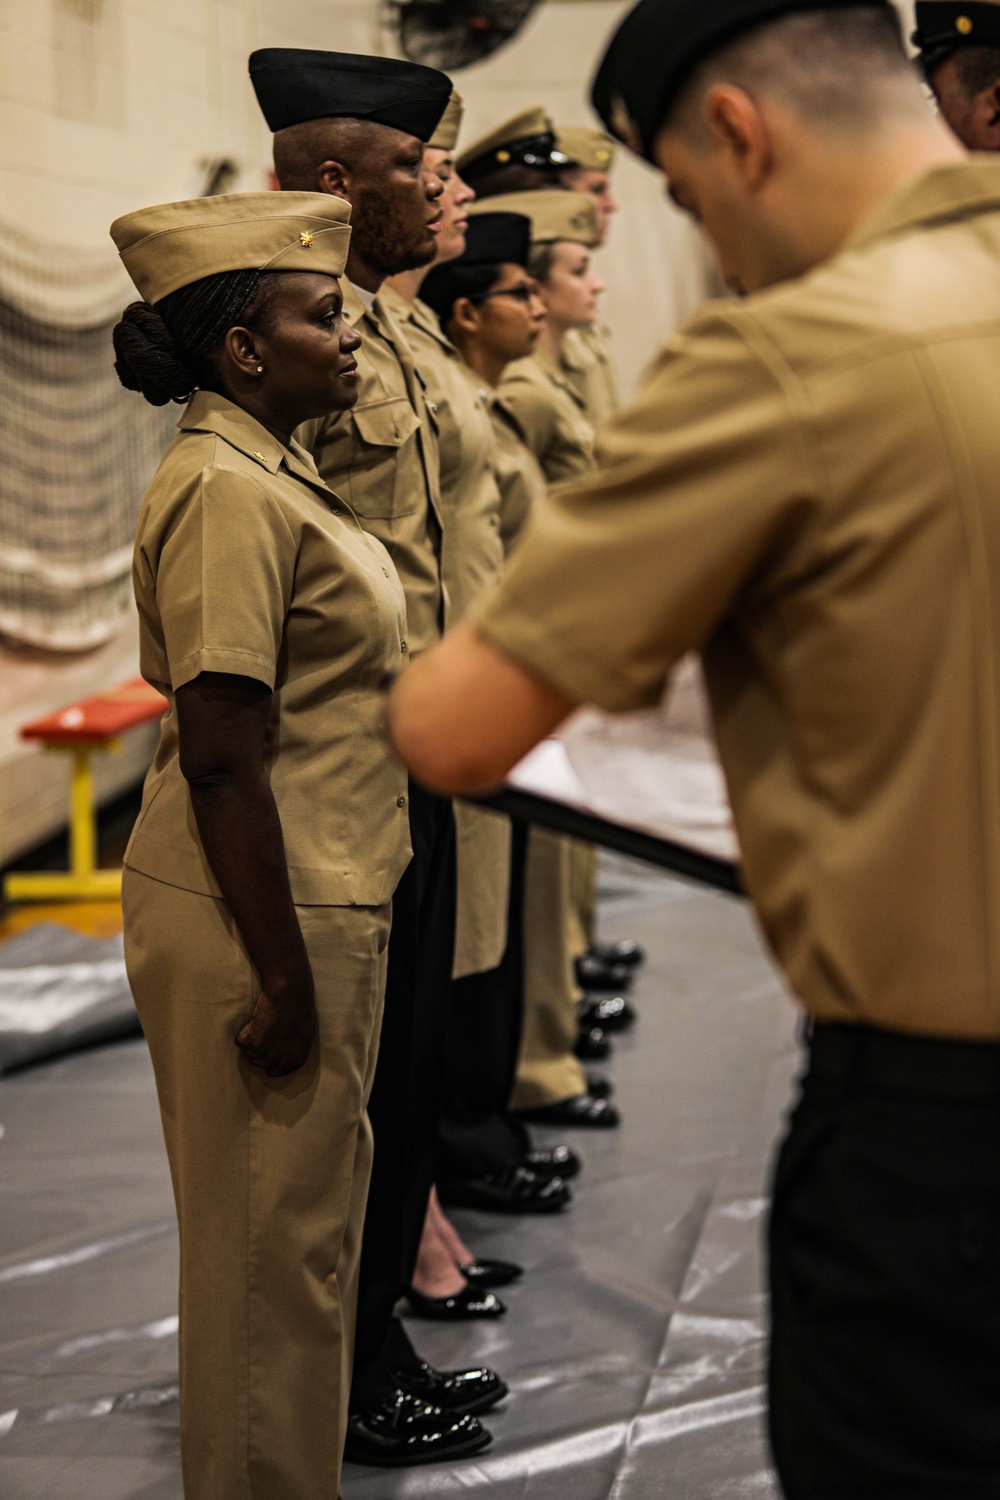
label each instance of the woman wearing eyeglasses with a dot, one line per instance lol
(491, 324)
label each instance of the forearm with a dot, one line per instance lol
(241, 835)
(464, 713)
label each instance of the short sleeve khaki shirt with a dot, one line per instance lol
(382, 458)
(246, 563)
(522, 483)
(806, 490)
(585, 359)
(473, 557)
(551, 414)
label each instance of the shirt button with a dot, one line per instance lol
(386, 572)
(400, 801)
(402, 646)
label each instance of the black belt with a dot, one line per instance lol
(868, 1058)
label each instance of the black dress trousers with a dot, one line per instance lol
(405, 1104)
(478, 1136)
(885, 1272)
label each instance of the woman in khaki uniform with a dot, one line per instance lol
(273, 828)
(548, 411)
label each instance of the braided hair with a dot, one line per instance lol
(167, 350)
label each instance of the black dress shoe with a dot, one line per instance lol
(582, 1110)
(404, 1430)
(592, 1045)
(598, 1087)
(483, 1273)
(609, 1012)
(553, 1161)
(594, 974)
(625, 951)
(516, 1191)
(453, 1391)
(470, 1302)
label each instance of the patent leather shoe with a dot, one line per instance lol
(516, 1191)
(600, 1088)
(403, 1430)
(471, 1302)
(626, 951)
(592, 1044)
(582, 1110)
(456, 1392)
(594, 974)
(609, 1012)
(483, 1272)
(553, 1161)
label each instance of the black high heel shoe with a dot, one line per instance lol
(470, 1302)
(485, 1273)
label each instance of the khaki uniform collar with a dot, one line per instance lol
(417, 313)
(558, 377)
(209, 412)
(958, 190)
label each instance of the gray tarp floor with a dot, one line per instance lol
(633, 1346)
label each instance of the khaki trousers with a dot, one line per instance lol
(547, 1069)
(270, 1179)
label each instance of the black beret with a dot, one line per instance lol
(496, 239)
(944, 27)
(490, 240)
(293, 85)
(658, 44)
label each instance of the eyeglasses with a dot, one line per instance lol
(523, 293)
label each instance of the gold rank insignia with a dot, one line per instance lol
(503, 156)
(964, 25)
(306, 239)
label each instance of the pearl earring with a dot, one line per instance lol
(260, 369)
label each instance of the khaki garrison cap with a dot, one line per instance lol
(173, 244)
(944, 27)
(587, 148)
(529, 138)
(555, 214)
(445, 137)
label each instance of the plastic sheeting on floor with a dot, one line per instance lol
(633, 1347)
(59, 991)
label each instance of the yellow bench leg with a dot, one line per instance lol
(83, 881)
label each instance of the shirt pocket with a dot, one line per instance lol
(386, 480)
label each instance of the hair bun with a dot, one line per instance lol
(148, 358)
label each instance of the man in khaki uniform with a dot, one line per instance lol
(959, 49)
(356, 127)
(805, 490)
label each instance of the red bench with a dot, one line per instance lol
(82, 729)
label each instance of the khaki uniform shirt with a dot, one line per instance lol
(522, 483)
(473, 557)
(551, 414)
(806, 489)
(585, 359)
(245, 562)
(382, 458)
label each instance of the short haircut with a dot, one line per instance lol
(978, 68)
(300, 150)
(839, 68)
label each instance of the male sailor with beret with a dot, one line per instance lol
(357, 127)
(805, 491)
